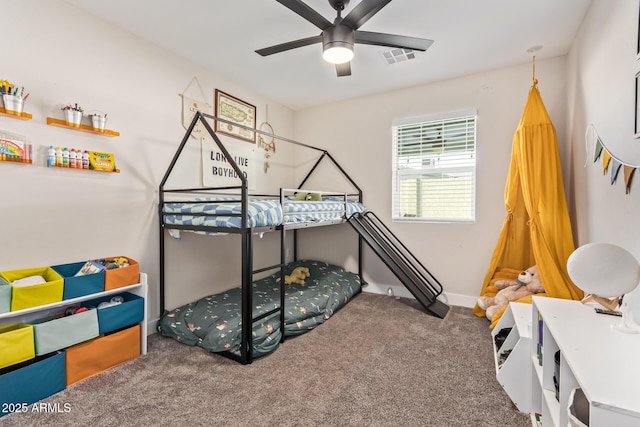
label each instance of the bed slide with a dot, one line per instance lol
(404, 265)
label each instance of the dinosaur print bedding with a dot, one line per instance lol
(214, 322)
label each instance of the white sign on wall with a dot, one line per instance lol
(218, 171)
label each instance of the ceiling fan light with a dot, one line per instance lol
(337, 53)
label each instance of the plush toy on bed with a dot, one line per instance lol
(527, 283)
(297, 276)
(309, 197)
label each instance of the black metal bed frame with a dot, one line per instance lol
(246, 233)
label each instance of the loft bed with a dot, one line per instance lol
(246, 322)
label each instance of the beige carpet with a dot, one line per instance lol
(380, 361)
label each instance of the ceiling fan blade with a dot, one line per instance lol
(289, 45)
(363, 12)
(343, 69)
(306, 12)
(392, 40)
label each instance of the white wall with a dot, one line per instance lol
(601, 73)
(358, 134)
(53, 216)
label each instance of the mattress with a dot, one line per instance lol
(214, 322)
(260, 212)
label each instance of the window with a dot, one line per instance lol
(434, 168)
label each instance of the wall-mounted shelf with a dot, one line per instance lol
(4, 158)
(85, 128)
(84, 170)
(19, 116)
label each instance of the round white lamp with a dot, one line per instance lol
(609, 271)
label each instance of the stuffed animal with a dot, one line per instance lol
(309, 197)
(527, 283)
(297, 276)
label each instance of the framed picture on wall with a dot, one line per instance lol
(636, 129)
(237, 111)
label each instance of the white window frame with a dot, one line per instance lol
(467, 168)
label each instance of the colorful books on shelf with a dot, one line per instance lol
(538, 418)
(540, 329)
(14, 148)
(102, 161)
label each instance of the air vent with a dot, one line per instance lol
(394, 55)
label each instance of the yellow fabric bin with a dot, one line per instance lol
(34, 295)
(16, 344)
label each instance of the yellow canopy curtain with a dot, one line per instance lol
(537, 228)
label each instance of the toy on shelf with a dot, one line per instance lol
(90, 267)
(15, 148)
(113, 263)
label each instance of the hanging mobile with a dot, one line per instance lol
(269, 147)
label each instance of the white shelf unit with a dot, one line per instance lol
(603, 362)
(34, 313)
(513, 374)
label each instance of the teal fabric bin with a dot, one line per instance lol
(55, 333)
(110, 319)
(5, 296)
(78, 286)
(31, 381)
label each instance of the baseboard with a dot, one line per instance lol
(400, 291)
(151, 326)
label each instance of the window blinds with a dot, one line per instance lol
(434, 169)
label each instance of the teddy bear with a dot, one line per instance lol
(297, 276)
(527, 283)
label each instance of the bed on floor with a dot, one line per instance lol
(214, 322)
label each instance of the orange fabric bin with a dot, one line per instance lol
(91, 358)
(124, 276)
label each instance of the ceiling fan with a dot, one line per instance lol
(338, 38)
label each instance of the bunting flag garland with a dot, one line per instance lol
(609, 162)
(628, 174)
(190, 106)
(615, 168)
(598, 150)
(606, 159)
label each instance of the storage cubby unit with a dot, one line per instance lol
(95, 329)
(593, 356)
(513, 354)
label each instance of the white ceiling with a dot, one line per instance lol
(470, 36)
